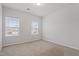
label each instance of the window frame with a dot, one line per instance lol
(35, 29)
(8, 28)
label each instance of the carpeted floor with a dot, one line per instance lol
(38, 48)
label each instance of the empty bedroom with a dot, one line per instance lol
(39, 29)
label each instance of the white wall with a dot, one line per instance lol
(62, 26)
(25, 27)
(0, 26)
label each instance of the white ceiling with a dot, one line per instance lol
(42, 10)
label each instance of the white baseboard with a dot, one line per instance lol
(19, 43)
(63, 45)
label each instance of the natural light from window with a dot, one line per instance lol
(35, 28)
(11, 26)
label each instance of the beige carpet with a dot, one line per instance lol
(38, 48)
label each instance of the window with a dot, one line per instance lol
(11, 26)
(35, 28)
